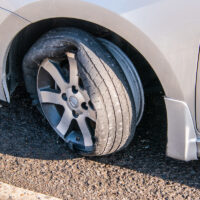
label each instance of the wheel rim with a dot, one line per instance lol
(66, 103)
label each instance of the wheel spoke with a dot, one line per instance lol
(53, 70)
(65, 122)
(48, 96)
(91, 114)
(85, 131)
(86, 96)
(73, 69)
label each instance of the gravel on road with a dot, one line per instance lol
(33, 157)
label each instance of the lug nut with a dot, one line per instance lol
(64, 96)
(84, 106)
(75, 114)
(74, 90)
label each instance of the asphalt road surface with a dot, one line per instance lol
(34, 158)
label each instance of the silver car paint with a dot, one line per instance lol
(165, 32)
(182, 141)
(10, 25)
(198, 95)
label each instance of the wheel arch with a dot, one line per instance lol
(24, 39)
(102, 15)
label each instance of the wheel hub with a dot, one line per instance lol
(73, 102)
(75, 99)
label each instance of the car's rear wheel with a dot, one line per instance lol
(82, 91)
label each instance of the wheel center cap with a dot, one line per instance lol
(73, 101)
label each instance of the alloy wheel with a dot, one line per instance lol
(65, 102)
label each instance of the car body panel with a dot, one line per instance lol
(165, 32)
(3, 15)
(10, 24)
(198, 94)
(183, 144)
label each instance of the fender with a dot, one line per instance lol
(156, 28)
(10, 25)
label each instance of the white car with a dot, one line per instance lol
(77, 60)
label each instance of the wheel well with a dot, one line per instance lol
(25, 38)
